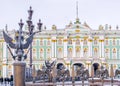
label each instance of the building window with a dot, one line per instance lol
(106, 53)
(48, 42)
(60, 53)
(106, 42)
(77, 52)
(95, 42)
(34, 54)
(77, 42)
(70, 41)
(48, 53)
(85, 42)
(95, 52)
(41, 53)
(114, 42)
(41, 42)
(114, 53)
(70, 52)
(59, 41)
(85, 52)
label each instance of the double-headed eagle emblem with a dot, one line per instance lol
(19, 45)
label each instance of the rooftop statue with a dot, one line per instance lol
(19, 43)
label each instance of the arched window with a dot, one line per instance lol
(85, 52)
(85, 42)
(95, 52)
(106, 42)
(41, 53)
(59, 41)
(77, 52)
(70, 41)
(60, 53)
(48, 42)
(114, 56)
(77, 42)
(41, 42)
(70, 52)
(34, 54)
(95, 42)
(48, 53)
(106, 53)
(114, 42)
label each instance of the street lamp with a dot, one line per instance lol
(19, 46)
(31, 28)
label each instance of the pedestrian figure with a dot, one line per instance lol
(5, 80)
(1, 80)
(11, 80)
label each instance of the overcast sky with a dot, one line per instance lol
(60, 12)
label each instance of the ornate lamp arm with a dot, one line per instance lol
(25, 56)
(11, 52)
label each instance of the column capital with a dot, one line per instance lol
(54, 40)
(65, 40)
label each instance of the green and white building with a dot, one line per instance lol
(76, 44)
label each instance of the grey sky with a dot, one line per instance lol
(60, 12)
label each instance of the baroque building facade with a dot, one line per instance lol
(76, 44)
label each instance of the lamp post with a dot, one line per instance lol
(19, 45)
(31, 28)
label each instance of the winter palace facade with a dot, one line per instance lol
(76, 44)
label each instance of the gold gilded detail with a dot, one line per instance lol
(77, 36)
(73, 40)
(65, 40)
(54, 40)
(96, 37)
(77, 31)
(86, 37)
(81, 40)
(90, 40)
(48, 38)
(106, 37)
(101, 40)
(60, 37)
(2, 40)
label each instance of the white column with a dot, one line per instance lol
(89, 47)
(52, 50)
(4, 70)
(92, 50)
(55, 48)
(81, 52)
(65, 47)
(4, 51)
(74, 51)
(4, 60)
(100, 47)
